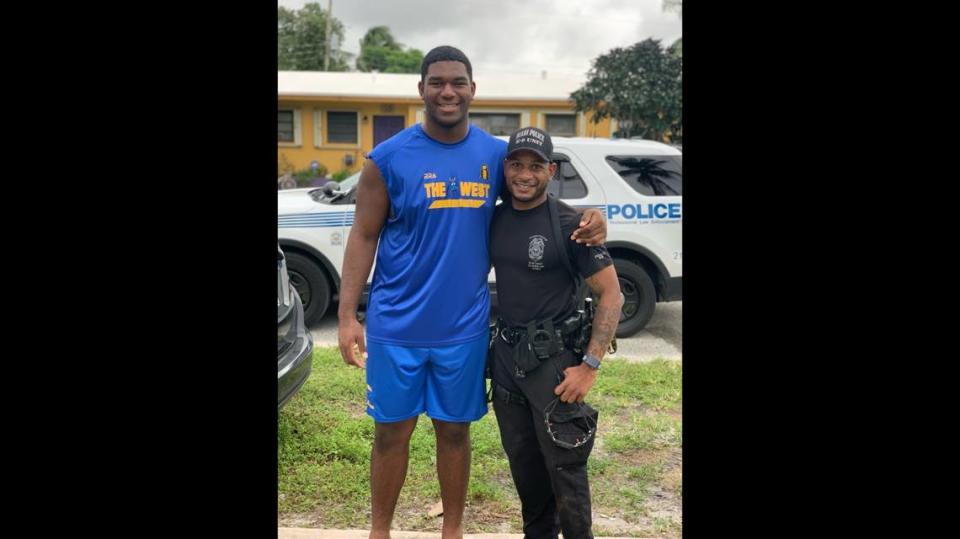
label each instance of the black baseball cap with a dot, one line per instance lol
(532, 139)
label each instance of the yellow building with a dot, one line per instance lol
(335, 118)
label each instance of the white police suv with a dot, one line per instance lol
(636, 183)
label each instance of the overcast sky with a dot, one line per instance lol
(560, 36)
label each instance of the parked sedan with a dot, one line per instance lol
(294, 342)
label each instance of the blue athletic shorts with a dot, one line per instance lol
(446, 382)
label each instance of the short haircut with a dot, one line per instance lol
(444, 53)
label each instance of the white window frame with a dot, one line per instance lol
(297, 138)
(341, 145)
(317, 128)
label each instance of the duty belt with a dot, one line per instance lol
(541, 332)
(535, 343)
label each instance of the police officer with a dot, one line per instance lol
(542, 361)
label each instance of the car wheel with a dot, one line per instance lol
(639, 297)
(311, 285)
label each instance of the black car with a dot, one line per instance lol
(294, 342)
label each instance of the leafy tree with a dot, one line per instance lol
(302, 40)
(379, 51)
(379, 36)
(641, 87)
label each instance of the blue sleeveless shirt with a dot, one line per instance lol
(430, 277)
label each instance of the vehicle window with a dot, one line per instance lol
(567, 183)
(651, 175)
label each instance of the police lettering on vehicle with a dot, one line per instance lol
(630, 212)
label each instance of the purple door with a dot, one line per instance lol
(385, 127)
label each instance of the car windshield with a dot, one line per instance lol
(349, 182)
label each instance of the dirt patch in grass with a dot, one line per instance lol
(639, 495)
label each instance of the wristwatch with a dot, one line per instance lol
(592, 361)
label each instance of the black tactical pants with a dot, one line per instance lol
(551, 480)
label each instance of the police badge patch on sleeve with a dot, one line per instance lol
(601, 255)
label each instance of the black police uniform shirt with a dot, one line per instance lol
(532, 282)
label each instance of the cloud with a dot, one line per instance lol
(553, 35)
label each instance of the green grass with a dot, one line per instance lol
(325, 436)
(643, 432)
(645, 473)
(654, 385)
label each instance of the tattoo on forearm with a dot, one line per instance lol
(604, 326)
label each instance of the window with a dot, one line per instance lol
(285, 126)
(496, 124)
(567, 183)
(651, 175)
(561, 125)
(342, 127)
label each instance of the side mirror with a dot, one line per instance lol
(329, 189)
